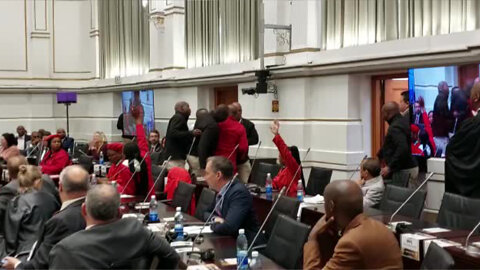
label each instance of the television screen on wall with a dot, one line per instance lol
(131, 99)
(439, 103)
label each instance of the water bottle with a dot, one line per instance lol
(256, 263)
(300, 191)
(153, 212)
(179, 224)
(242, 248)
(101, 159)
(268, 186)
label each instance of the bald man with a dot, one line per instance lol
(462, 163)
(10, 190)
(363, 243)
(73, 187)
(442, 119)
(178, 137)
(396, 150)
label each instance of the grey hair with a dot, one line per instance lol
(223, 165)
(102, 202)
(75, 179)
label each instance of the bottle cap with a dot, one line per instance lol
(254, 253)
(153, 197)
(178, 209)
(268, 175)
(300, 181)
(241, 231)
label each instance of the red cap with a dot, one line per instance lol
(49, 138)
(117, 147)
(414, 128)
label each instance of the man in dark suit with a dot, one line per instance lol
(23, 138)
(67, 142)
(179, 138)
(396, 150)
(73, 186)
(204, 146)
(10, 190)
(244, 166)
(234, 204)
(108, 241)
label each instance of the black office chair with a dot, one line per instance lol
(182, 197)
(78, 148)
(207, 197)
(318, 180)
(437, 258)
(399, 179)
(259, 174)
(394, 196)
(458, 212)
(160, 184)
(286, 206)
(143, 262)
(86, 162)
(285, 245)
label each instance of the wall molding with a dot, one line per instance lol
(25, 42)
(35, 16)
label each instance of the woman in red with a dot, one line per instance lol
(119, 170)
(289, 158)
(56, 158)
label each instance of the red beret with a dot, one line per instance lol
(414, 128)
(49, 138)
(117, 147)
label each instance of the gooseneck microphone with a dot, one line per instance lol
(158, 177)
(31, 151)
(135, 172)
(358, 167)
(298, 169)
(471, 249)
(233, 151)
(256, 153)
(409, 197)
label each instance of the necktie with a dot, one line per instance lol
(218, 207)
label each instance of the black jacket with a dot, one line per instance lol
(67, 143)
(103, 245)
(7, 193)
(396, 150)
(252, 135)
(237, 211)
(25, 216)
(206, 144)
(61, 225)
(178, 138)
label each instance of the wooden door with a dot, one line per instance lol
(226, 95)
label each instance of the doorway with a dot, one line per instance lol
(226, 95)
(385, 88)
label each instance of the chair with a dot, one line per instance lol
(286, 206)
(285, 245)
(207, 197)
(260, 171)
(458, 212)
(143, 262)
(399, 179)
(182, 197)
(394, 196)
(318, 180)
(78, 148)
(437, 258)
(86, 162)
(160, 184)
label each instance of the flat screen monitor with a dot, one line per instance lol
(131, 99)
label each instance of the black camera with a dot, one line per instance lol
(249, 91)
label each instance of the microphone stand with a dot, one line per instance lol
(358, 167)
(36, 146)
(282, 191)
(472, 250)
(213, 211)
(158, 177)
(234, 149)
(256, 153)
(411, 195)
(135, 172)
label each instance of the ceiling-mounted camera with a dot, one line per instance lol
(262, 86)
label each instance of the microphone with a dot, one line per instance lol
(189, 152)
(83, 153)
(156, 180)
(256, 153)
(36, 146)
(234, 149)
(135, 172)
(122, 169)
(358, 167)
(213, 211)
(472, 250)
(409, 197)
(298, 169)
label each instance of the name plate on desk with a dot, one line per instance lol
(412, 245)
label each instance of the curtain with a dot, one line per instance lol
(356, 22)
(124, 38)
(221, 31)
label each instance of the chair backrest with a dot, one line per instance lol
(400, 179)
(143, 262)
(285, 245)
(394, 196)
(318, 180)
(207, 197)
(437, 258)
(260, 171)
(160, 184)
(286, 206)
(458, 212)
(83, 146)
(183, 196)
(86, 162)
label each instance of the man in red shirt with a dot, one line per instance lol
(232, 137)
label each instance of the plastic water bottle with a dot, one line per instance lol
(256, 263)
(242, 248)
(101, 159)
(300, 191)
(153, 212)
(179, 224)
(268, 186)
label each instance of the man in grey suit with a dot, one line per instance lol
(371, 182)
(110, 242)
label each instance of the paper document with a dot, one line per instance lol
(314, 200)
(125, 196)
(435, 230)
(168, 219)
(196, 229)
